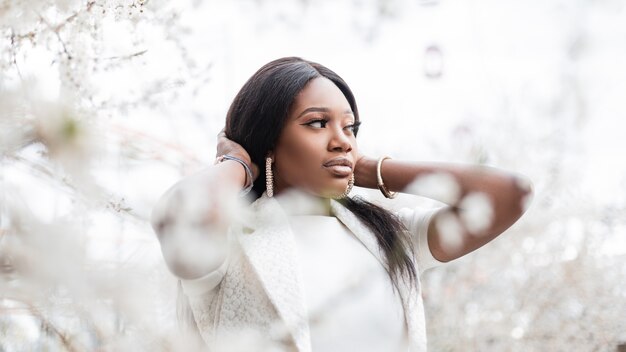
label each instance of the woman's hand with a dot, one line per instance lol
(227, 146)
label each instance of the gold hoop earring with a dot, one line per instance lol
(269, 177)
(348, 189)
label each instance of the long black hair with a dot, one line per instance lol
(255, 120)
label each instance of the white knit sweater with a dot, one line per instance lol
(257, 295)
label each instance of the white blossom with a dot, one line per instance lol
(440, 186)
(93, 91)
(477, 212)
(450, 230)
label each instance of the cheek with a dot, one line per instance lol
(299, 159)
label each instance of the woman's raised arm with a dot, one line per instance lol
(191, 218)
(482, 201)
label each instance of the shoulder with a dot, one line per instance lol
(415, 217)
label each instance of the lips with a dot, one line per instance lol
(339, 166)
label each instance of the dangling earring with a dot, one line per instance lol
(348, 189)
(269, 177)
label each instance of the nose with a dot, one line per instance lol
(339, 141)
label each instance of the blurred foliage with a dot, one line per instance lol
(99, 97)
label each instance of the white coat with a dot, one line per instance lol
(259, 288)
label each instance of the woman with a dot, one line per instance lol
(340, 272)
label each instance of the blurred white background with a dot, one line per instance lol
(105, 104)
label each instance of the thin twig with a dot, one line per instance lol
(135, 134)
(56, 33)
(14, 50)
(73, 190)
(123, 57)
(46, 324)
(72, 17)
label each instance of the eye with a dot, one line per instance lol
(354, 127)
(321, 122)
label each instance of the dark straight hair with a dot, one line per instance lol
(255, 120)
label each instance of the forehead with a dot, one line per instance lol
(320, 92)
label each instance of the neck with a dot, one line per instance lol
(298, 202)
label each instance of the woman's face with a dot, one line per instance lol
(317, 150)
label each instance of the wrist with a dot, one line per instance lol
(379, 179)
(365, 172)
(246, 158)
(248, 176)
(242, 156)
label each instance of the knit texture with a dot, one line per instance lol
(261, 295)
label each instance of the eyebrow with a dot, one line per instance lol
(320, 109)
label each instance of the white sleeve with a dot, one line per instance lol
(206, 283)
(416, 221)
(209, 281)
